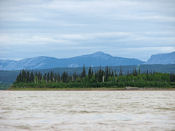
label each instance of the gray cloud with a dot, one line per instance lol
(74, 27)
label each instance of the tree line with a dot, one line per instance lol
(98, 78)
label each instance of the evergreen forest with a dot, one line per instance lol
(105, 77)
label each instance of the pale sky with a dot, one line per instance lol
(67, 28)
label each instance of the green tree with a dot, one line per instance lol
(90, 73)
(31, 77)
(83, 73)
(64, 77)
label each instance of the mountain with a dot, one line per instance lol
(168, 58)
(42, 62)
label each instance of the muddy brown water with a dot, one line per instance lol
(87, 110)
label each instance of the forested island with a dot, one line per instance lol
(106, 78)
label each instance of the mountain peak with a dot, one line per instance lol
(99, 53)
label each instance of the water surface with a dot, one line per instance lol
(87, 110)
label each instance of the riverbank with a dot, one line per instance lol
(92, 89)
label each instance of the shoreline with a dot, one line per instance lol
(92, 89)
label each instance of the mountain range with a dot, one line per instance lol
(93, 60)
(168, 58)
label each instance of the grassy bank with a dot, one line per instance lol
(63, 89)
(87, 84)
(90, 89)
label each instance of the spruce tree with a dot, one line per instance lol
(90, 73)
(64, 77)
(31, 77)
(120, 72)
(83, 74)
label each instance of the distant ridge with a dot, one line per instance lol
(166, 58)
(93, 60)
(43, 62)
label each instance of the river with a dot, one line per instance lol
(87, 110)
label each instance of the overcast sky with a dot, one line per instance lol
(66, 28)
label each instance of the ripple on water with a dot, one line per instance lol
(23, 127)
(87, 110)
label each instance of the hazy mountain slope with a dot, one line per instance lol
(29, 63)
(168, 58)
(42, 62)
(100, 59)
